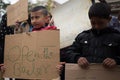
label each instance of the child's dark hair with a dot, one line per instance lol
(100, 10)
(42, 8)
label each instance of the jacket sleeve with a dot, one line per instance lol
(74, 51)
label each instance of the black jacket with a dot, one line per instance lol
(4, 30)
(95, 45)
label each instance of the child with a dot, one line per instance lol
(100, 44)
(39, 16)
(41, 19)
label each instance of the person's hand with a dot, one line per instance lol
(2, 68)
(59, 67)
(109, 63)
(82, 61)
(17, 23)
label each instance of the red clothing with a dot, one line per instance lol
(45, 28)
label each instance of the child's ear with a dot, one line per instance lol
(46, 17)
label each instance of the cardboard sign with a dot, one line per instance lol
(17, 12)
(94, 72)
(71, 18)
(32, 56)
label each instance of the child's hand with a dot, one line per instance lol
(17, 23)
(2, 68)
(109, 63)
(82, 61)
(60, 67)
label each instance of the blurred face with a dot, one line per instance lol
(38, 19)
(99, 23)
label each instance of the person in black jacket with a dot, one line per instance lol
(4, 30)
(100, 44)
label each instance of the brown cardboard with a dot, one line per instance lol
(94, 72)
(33, 55)
(17, 12)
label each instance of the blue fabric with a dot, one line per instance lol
(114, 23)
(31, 27)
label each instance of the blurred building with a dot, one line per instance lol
(115, 6)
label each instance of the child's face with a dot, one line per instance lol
(38, 19)
(99, 23)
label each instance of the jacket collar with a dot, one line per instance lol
(106, 30)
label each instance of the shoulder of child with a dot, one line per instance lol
(50, 28)
(83, 34)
